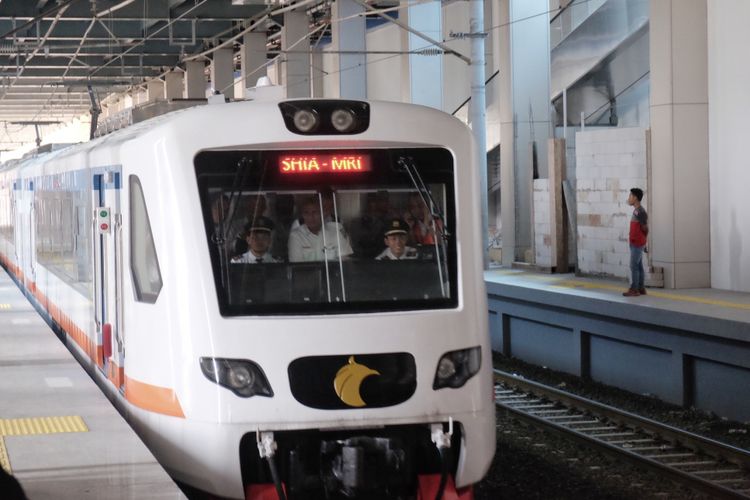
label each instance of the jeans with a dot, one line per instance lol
(636, 268)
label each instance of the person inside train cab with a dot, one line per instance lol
(314, 240)
(421, 227)
(367, 231)
(255, 205)
(395, 237)
(258, 237)
(326, 201)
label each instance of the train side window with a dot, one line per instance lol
(144, 264)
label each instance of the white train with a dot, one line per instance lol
(319, 372)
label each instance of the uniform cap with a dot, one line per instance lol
(259, 224)
(396, 226)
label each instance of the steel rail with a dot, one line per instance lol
(642, 441)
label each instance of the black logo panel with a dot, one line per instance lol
(353, 381)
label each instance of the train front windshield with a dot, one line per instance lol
(330, 231)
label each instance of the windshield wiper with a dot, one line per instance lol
(408, 164)
(240, 178)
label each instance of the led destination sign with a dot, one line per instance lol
(330, 163)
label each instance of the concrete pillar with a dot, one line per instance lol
(426, 72)
(252, 59)
(349, 35)
(530, 56)
(318, 74)
(155, 90)
(174, 84)
(507, 156)
(297, 68)
(679, 211)
(195, 80)
(222, 72)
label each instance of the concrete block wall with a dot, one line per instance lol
(608, 163)
(542, 238)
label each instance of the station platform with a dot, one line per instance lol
(689, 347)
(59, 435)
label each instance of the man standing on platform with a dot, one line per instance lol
(637, 240)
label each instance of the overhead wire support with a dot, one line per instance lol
(95, 111)
(144, 40)
(411, 30)
(33, 20)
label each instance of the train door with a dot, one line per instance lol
(19, 233)
(107, 232)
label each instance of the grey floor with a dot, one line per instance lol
(707, 302)
(40, 378)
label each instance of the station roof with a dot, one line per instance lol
(55, 53)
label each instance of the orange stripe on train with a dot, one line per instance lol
(153, 398)
(149, 397)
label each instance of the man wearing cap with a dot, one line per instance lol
(258, 237)
(395, 236)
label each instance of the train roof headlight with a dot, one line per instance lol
(325, 116)
(343, 120)
(305, 120)
(456, 367)
(241, 376)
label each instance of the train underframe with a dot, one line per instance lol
(399, 462)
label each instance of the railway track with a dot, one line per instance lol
(714, 468)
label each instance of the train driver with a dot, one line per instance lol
(258, 237)
(314, 241)
(395, 235)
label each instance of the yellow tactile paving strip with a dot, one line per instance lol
(41, 425)
(653, 293)
(4, 460)
(5, 307)
(554, 282)
(35, 426)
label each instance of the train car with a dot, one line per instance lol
(284, 299)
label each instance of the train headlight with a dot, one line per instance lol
(325, 116)
(241, 376)
(456, 367)
(343, 120)
(306, 120)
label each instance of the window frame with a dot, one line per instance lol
(142, 295)
(208, 167)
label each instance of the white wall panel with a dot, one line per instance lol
(729, 109)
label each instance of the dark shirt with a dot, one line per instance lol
(637, 222)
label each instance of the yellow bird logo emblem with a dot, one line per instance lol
(348, 380)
